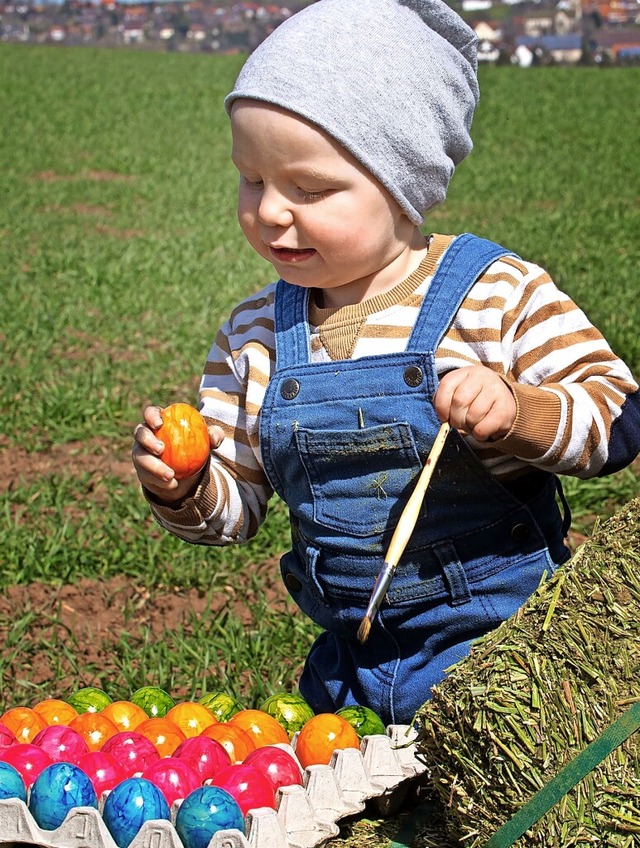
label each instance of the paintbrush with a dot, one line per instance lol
(402, 534)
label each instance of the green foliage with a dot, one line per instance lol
(120, 256)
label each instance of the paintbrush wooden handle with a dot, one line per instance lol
(410, 513)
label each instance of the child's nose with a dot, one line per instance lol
(274, 210)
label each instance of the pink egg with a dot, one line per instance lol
(103, 770)
(247, 785)
(28, 759)
(205, 755)
(62, 743)
(6, 737)
(132, 750)
(276, 765)
(173, 777)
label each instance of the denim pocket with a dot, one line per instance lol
(359, 479)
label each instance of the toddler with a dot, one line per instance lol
(329, 385)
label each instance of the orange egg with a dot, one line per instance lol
(236, 741)
(23, 722)
(186, 439)
(55, 711)
(321, 736)
(191, 717)
(124, 714)
(263, 728)
(95, 729)
(163, 733)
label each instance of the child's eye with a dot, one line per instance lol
(256, 184)
(311, 195)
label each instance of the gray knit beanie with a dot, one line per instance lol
(393, 81)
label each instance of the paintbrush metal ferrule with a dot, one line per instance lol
(380, 589)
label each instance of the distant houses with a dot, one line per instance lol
(565, 32)
(520, 32)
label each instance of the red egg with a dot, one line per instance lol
(103, 770)
(173, 777)
(132, 750)
(247, 785)
(28, 759)
(203, 754)
(62, 743)
(276, 765)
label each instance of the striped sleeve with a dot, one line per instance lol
(577, 402)
(231, 500)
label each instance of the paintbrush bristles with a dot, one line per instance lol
(364, 630)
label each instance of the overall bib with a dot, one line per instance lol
(342, 444)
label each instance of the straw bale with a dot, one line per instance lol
(535, 692)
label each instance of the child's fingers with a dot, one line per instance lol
(455, 394)
(144, 434)
(153, 417)
(150, 467)
(475, 400)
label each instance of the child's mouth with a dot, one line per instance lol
(291, 254)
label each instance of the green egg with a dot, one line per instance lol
(154, 701)
(363, 720)
(222, 705)
(89, 699)
(291, 711)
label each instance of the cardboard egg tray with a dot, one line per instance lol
(380, 772)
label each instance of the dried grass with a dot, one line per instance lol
(533, 693)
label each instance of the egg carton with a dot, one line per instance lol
(380, 772)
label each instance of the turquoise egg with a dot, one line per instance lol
(11, 783)
(204, 812)
(129, 805)
(59, 788)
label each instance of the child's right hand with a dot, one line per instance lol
(154, 474)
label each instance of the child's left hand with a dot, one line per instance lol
(476, 401)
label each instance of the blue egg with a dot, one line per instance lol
(59, 788)
(129, 805)
(204, 812)
(11, 783)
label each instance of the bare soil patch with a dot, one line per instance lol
(95, 457)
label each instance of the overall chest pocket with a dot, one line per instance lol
(359, 479)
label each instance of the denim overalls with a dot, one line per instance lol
(342, 444)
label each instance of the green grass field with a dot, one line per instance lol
(120, 256)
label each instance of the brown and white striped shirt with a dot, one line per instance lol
(569, 386)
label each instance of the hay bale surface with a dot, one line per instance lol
(535, 692)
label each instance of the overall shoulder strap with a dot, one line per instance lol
(291, 309)
(466, 258)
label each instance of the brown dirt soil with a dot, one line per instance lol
(93, 614)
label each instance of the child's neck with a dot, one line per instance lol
(377, 284)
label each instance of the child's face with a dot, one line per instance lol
(308, 207)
